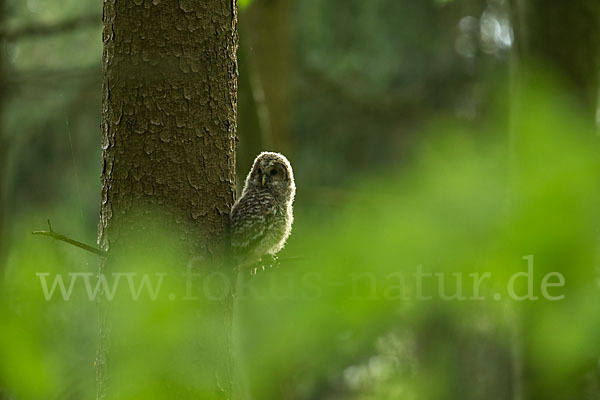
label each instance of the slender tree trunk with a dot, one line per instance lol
(168, 135)
(3, 140)
(4, 147)
(252, 113)
(267, 27)
(564, 37)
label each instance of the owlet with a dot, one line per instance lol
(261, 220)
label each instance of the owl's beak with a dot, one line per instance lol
(264, 179)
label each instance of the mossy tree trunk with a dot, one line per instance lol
(168, 132)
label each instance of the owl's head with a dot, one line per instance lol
(273, 172)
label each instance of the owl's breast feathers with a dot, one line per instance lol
(257, 224)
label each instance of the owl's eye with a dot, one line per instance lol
(273, 172)
(260, 171)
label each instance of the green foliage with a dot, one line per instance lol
(340, 322)
(341, 318)
(242, 4)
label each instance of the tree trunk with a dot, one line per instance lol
(168, 136)
(252, 114)
(4, 144)
(561, 38)
(564, 37)
(267, 27)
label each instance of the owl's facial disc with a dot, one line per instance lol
(271, 174)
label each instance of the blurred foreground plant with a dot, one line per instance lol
(471, 273)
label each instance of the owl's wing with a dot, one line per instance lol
(250, 219)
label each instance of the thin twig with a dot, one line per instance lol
(57, 236)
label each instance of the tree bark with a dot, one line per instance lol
(169, 116)
(168, 133)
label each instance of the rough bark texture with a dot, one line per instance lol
(563, 36)
(168, 133)
(169, 116)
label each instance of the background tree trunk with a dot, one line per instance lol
(3, 139)
(564, 37)
(561, 38)
(251, 114)
(3, 155)
(168, 133)
(268, 30)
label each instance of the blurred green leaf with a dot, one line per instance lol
(242, 4)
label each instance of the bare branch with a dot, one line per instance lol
(57, 236)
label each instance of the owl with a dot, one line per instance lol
(261, 220)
